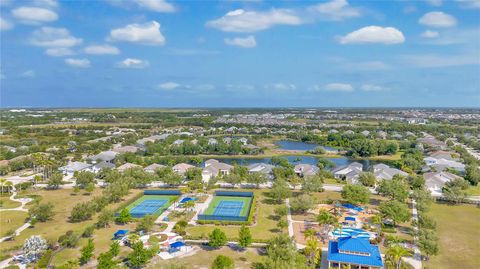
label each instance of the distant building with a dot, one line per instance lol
(105, 156)
(352, 252)
(435, 181)
(303, 170)
(153, 167)
(349, 172)
(441, 164)
(383, 171)
(215, 168)
(122, 168)
(125, 149)
(73, 167)
(99, 166)
(264, 168)
(182, 168)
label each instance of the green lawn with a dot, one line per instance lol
(63, 201)
(11, 220)
(169, 198)
(204, 258)
(218, 199)
(264, 228)
(5, 202)
(474, 190)
(458, 228)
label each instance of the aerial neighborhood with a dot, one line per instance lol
(326, 194)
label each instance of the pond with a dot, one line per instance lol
(299, 145)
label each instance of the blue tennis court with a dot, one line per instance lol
(148, 207)
(228, 208)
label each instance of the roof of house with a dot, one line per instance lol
(306, 169)
(75, 166)
(124, 149)
(353, 244)
(182, 167)
(388, 172)
(153, 167)
(260, 167)
(105, 156)
(102, 165)
(126, 166)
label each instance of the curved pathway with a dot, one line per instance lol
(22, 208)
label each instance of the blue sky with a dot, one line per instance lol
(156, 53)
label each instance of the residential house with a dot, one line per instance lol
(122, 168)
(264, 168)
(212, 141)
(432, 142)
(125, 149)
(227, 140)
(382, 134)
(105, 156)
(304, 169)
(435, 181)
(73, 167)
(365, 133)
(349, 132)
(353, 252)
(181, 168)
(215, 168)
(153, 167)
(441, 164)
(383, 171)
(177, 142)
(350, 172)
(243, 140)
(99, 166)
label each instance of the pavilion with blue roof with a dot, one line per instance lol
(354, 253)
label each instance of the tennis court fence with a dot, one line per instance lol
(229, 218)
(162, 192)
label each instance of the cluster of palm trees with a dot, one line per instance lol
(44, 164)
(5, 184)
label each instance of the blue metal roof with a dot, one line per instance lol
(357, 245)
(120, 232)
(177, 244)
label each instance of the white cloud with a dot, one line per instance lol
(169, 85)
(28, 74)
(469, 3)
(81, 63)
(54, 37)
(59, 52)
(280, 86)
(438, 19)
(457, 36)
(133, 63)
(429, 34)
(372, 88)
(335, 10)
(147, 33)
(34, 15)
(252, 21)
(339, 87)
(156, 5)
(205, 87)
(433, 60)
(5, 25)
(374, 34)
(244, 42)
(102, 49)
(435, 3)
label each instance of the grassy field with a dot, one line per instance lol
(204, 258)
(5, 202)
(458, 228)
(64, 201)
(11, 220)
(474, 190)
(218, 199)
(264, 228)
(169, 198)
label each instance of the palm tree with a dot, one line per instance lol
(396, 253)
(309, 233)
(2, 183)
(9, 186)
(189, 204)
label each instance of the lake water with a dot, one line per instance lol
(298, 145)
